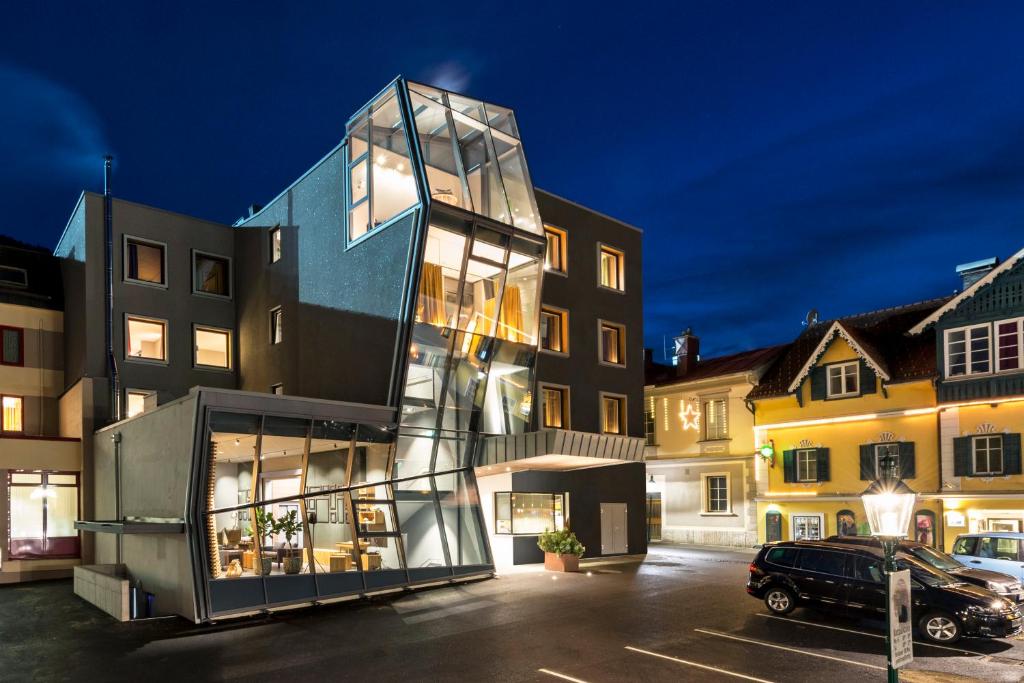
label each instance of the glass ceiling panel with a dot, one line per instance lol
(481, 167)
(440, 154)
(468, 106)
(502, 119)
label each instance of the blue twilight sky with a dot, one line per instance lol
(779, 156)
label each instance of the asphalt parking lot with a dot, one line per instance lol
(681, 614)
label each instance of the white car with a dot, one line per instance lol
(998, 551)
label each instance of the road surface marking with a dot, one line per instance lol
(699, 666)
(549, 672)
(868, 633)
(788, 649)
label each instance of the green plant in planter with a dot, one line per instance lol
(560, 543)
(290, 526)
(265, 525)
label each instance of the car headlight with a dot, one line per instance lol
(993, 607)
(995, 587)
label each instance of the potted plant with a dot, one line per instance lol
(264, 527)
(289, 525)
(562, 550)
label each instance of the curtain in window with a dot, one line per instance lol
(431, 303)
(510, 325)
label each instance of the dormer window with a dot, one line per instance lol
(843, 380)
(969, 351)
(13, 277)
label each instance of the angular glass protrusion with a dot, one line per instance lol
(481, 165)
(501, 118)
(509, 401)
(440, 154)
(460, 510)
(417, 518)
(516, 179)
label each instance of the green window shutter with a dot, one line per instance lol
(908, 468)
(789, 466)
(868, 383)
(823, 470)
(962, 456)
(1011, 454)
(867, 462)
(819, 377)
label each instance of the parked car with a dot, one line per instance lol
(1001, 584)
(995, 551)
(850, 578)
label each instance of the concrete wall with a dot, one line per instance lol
(501, 545)
(579, 293)
(340, 304)
(156, 456)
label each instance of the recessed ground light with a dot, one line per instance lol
(237, 441)
(590, 573)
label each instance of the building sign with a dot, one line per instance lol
(955, 518)
(901, 628)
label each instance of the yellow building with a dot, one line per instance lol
(980, 391)
(700, 454)
(843, 395)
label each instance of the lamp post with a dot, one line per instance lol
(889, 504)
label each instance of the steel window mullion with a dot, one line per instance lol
(440, 521)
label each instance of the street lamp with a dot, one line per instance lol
(889, 504)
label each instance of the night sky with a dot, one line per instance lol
(779, 156)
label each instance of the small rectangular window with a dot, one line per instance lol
(276, 325)
(212, 347)
(555, 255)
(613, 414)
(554, 330)
(277, 389)
(145, 338)
(12, 345)
(883, 450)
(13, 277)
(211, 274)
(650, 423)
(716, 493)
(807, 465)
(144, 261)
(968, 351)
(716, 424)
(528, 513)
(275, 245)
(610, 266)
(1009, 345)
(12, 417)
(555, 407)
(135, 401)
(988, 454)
(844, 379)
(612, 343)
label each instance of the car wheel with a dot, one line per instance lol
(940, 628)
(780, 600)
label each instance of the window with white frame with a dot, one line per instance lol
(276, 325)
(988, 454)
(716, 424)
(1009, 345)
(844, 379)
(883, 450)
(716, 492)
(807, 465)
(969, 351)
(275, 244)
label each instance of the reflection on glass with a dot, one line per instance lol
(231, 449)
(440, 153)
(439, 283)
(481, 165)
(509, 399)
(417, 516)
(459, 510)
(379, 541)
(516, 179)
(519, 312)
(528, 513)
(414, 452)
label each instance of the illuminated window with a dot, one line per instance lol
(211, 274)
(12, 416)
(43, 509)
(807, 465)
(555, 257)
(135, 401)
(613, 414)
(610, 264)
(145, 339)
(612, 343)
(12, 345)
(528, 513)
(554, 330)
(882, 450)
(843, 379)
(716, 424)
(213, 347)
(651, 423)
(969, 351)
(555, 407)
(716, 493)
(276, 325)
(988, 455)
(277, 389)
(275, 245)
(144, 261)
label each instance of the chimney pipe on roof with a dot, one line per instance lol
(687, 351)
(975, 270)
(254, 209)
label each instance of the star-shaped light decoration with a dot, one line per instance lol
(690, 416)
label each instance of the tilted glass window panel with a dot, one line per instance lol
(519, 305)
(417, 519)
(330, 530)
(468, 106)
(428, 361)
(502, 119)
(231, 471)
(516, 179)
(375, 451)
(329, 455)
(358, 138)
(393, 185)
(428, 91)
(358, 182)
(460, 510)
(440, 154)
(464, 390)
(453, 450)
(509, 400)
(480, 297)
(481, 168)
(437, 303)
(414, 452)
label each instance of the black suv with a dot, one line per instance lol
(1003, 585)
(851, 577)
